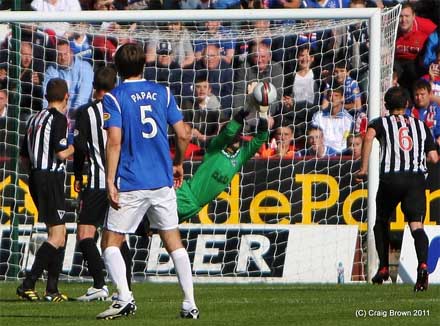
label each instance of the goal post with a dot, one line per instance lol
(238, 218)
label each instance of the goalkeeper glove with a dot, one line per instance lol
(262, 110)
(241, 115)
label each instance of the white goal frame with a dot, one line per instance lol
(374, 98)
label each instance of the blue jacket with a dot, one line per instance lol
(432, 43)
(79, 78)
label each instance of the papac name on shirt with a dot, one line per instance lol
(143, 96)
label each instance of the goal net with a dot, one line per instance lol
(298, 217)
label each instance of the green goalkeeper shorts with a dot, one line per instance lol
(187, 206)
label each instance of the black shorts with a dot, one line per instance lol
(93, 207)
(47, 191)
(407, 189)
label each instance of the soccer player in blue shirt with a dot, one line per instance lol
(140, 175)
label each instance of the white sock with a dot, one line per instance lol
(184, 275)
(115, 265)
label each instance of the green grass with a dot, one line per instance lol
(158, 304)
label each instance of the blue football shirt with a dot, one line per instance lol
(143, 110)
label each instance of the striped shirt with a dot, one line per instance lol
(404, 140)
(46, 135)
(90, 141)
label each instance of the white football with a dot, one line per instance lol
(265, 93)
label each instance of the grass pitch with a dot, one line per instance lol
(159, 304)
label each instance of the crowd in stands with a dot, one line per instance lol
(321, 77)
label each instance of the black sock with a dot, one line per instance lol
(382, 240)
(421, 243)
(53, 272)
(42, 258)
(125, 252)
(94, 261)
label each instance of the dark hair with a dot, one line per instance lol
(337, 89)
(62, 41)
(422, 84)
(201, 77)
(408, 5)
(130, 60)
(302, 48)
(56, 90)
(313, 128)
(104, 79)
(396, 98)
(342, 64)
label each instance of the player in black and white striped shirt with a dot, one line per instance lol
(405, 145)
(44, 151)
(90, 142)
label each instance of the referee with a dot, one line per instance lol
(405, 146)
(44, 151)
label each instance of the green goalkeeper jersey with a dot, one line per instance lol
(216, 171)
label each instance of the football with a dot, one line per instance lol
(265, 93)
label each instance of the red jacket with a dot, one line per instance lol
(409, 45)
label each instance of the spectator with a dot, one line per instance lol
(205, 114)
(31, 78)
(316, 146)
(183, 52)
(424, 109)
(43, 46)
(261, 29)
(431, 46)
(219, 72)
(354, 146)
(335, 121)
(281, 144)
(54, 6)
(357, 45)
(302, 92)
(304, 87)
(325, 3)
(259, 67)
(165, 71)
(3, 103)
(288, 4)
(195, 4)
(227, 4)
(4, 75)
(81, 43)
(433, 77)
(216, 33)
(411, 37)
(77, 73)
(352, 93)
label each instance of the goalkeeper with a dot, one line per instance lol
(224, 157)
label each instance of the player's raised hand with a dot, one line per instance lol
(113, 196)
(178, 175)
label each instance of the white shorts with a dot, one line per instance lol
(160, 204)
